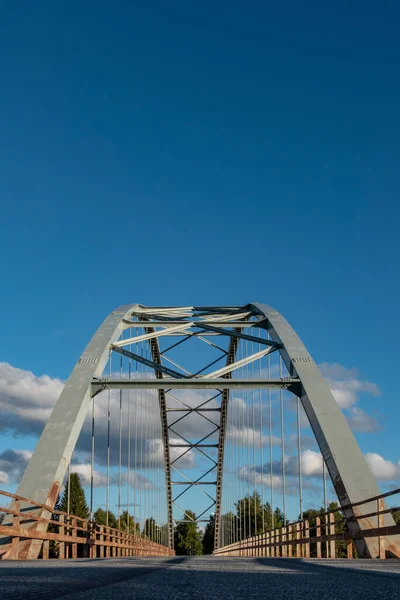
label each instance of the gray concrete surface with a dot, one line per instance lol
(200, 577)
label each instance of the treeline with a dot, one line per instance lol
(251, 517)
(77, 505)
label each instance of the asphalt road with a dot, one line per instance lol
(200, 577)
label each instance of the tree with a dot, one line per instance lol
(100, 516)
(396, 516)
(188, 536)
(164, 534)
(254, 517)
(340, 527)
(208, 536)
(151, 530)
(77, 501)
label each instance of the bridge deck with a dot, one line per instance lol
(183, 578)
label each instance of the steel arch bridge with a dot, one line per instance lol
(198, 365)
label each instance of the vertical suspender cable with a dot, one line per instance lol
(92, 464)
(299, 455)
(143, 409)
(108, 444)
(129, 453)
(271, 474)
(325, 504)
(120, 448)
(282, 442)
(248, 445)
(253, 426)
(262, 448)
(69, 488)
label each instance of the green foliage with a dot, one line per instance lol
(77, 503)
(340, 527)
(208, 537)
(253, 518)
(188, 538)
(128, 524)
(396, 516)
(100, 516)
(151, 530)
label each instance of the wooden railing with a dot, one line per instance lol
(320, 540)
(67, 533)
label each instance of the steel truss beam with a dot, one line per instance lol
(155, 352)
(289, 383)
(233, 345)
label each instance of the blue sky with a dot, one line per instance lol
(211, 153)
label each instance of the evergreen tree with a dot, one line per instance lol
(188, 538)
(254, 517)
(100, 516)
(208, 537)
(151, 530)
(340, 527)
(134, 527)
(77, 502)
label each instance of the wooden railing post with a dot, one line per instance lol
(267, 541)
(298, 545)
(61, 531)
(332, 543)
(326, 530)
(290, 546)
(307, 538)
(349, 548)
(283, 538)
(381, 522)
(318, 534)
(74, 533)
(101, 538)
(45, 549)
(85, 545)
(16, 524)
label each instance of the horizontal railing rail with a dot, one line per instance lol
(67, 533)
(297, 538)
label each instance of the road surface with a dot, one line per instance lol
(195, 578)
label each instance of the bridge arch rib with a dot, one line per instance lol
(349, 472)
(46, 470)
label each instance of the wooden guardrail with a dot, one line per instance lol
(296, 539)
(68, 532)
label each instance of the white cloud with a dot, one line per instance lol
(13, 463)
(248, 436)
(346, 385)
(382, 469)
(26, 400)
(4, 477)
(361, 421)
(311, 463)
